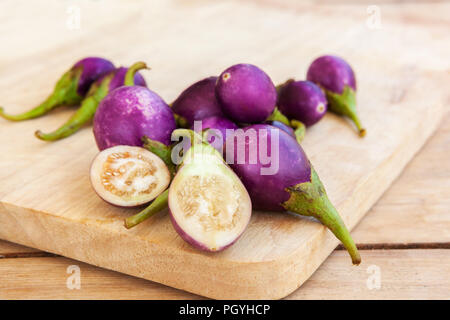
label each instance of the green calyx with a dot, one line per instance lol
(278, 116)
(299, 130)
(345, 104)
(84, 114)
(310, 199)
(129, 76)
(161, 150)
(64, 93)
(160, 203)
(181, 121)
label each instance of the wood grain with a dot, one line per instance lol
(47, 202)
(8, 248)
(416, 207)
(403, 274)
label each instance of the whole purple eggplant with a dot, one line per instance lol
(217, 125)
(99, 89)
(303, 101)
(129, 113)
(246, 94)
(286, 182)
(197, 102)
(337, 79)
(70, 89)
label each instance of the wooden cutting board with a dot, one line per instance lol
(46, 200)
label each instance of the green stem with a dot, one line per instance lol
(49, 104)
(82, 115)
(64, 93)
(278, 116)
(159, 204)
(161, 150)
(357, 122)
(129, 76)
(299, 130)
(345, 104)
(310, 199)
(181, 121)
(329, 217)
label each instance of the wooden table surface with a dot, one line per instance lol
(405, 238)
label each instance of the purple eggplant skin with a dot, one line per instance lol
(332, 73)
(128, 113)
(294, 187)
(198, 102)
(194, 243)
(282, 126)
(268, 191)
(336, 77)
(303, 101)
(218, 123)
(92, 69)
(246, 93)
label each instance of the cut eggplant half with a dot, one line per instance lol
(128, 176)
(209, 206)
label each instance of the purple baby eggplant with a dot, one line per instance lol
(70, 89)
(209, 206)
(128, 113)
(335, 76)
(303, 101)
(197, 102)
(92, 68)
(97, 92)
(218, 126)
(246, 93)
(285, 180)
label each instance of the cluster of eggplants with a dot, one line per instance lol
(245, 94)
(126, 113)
(294, 186)
(330, 85)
